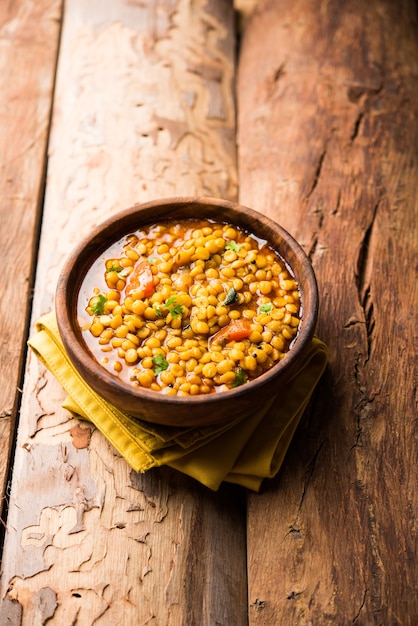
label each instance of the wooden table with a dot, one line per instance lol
(108, 103)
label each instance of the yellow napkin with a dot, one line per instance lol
(244, 452)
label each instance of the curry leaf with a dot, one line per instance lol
(231, 296)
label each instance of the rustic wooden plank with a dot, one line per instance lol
(143, 109)
(29, 33)
(328, 146)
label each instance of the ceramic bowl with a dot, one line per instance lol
(152, 406)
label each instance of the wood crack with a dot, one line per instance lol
(363, 602)
(317, 173)
(294, 528)
(362, 94)
(273, 80)
(363, 281)
(313, 247)
(356, 126)
(364, 408)
(337, 204)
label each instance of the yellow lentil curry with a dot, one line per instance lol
(189, 308)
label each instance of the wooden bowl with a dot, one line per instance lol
(152, 406)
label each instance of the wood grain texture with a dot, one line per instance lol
(27, 67)
(143, 109)
(328, 146)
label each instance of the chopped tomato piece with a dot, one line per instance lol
(141, 279)
(234, 331)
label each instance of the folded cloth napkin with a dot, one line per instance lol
(244, 451)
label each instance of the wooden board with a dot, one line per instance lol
(29, 34)
(328, 146)
(143, 109)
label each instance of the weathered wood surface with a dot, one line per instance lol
(143, 109)
(328, 136)
(29, 33)
(328, 145)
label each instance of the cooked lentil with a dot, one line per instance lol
(189, 308)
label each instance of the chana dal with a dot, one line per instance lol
(190, 307)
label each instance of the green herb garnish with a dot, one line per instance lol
(171, 305)
(123, 272)
(114, 268)
(231, 296)
(98, 305)
(239, 378)
(233, 245)
(266, 308)
(174, 307)
(160, 363)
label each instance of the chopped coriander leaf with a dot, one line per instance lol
(98, 305)
(174, 307)
(231, 297)
(123, 272)
(266, 308)
(239, 378)
(233, 245)
(151, 260)
(115, 267)
(160, 363)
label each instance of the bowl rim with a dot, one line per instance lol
(71, 335)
